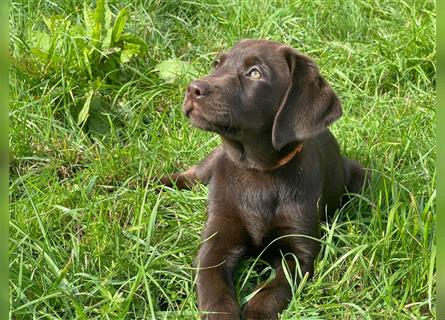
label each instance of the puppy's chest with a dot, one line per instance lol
(258, 198)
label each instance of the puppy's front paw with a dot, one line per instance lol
(168, 180)
(271, 300)
(256, 315)
(178, 180)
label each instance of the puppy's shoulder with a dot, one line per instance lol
(326, 139)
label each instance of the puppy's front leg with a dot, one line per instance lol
(200, 173)
(224, 244)
(274, 296)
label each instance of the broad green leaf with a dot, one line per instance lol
(171, 70)
(107, 41)
(102, 17)
(107, 16)
(130, 38)
(98, 121)
(94, 20)
(126, 55)
(99, 12)
(84, 113)
(41, 44)
(119, 25)
(56, 24)
(130, 50)
(97, 31)
(88, 16)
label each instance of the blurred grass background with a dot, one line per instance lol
(95, 113)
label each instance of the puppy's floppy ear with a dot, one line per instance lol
(309, 105)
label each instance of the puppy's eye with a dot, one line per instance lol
(254, 73)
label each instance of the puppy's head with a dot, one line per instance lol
(263, 86)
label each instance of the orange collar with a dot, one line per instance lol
(287, 158)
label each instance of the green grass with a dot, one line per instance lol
(90, 238)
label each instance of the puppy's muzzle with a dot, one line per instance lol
(197, 90)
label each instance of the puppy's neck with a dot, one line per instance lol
(258, 153)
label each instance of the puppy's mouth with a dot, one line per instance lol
(200, 120)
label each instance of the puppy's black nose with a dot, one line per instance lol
(198, 89)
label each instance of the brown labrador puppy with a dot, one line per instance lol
(278, 171)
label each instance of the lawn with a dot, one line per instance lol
(95, 117)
